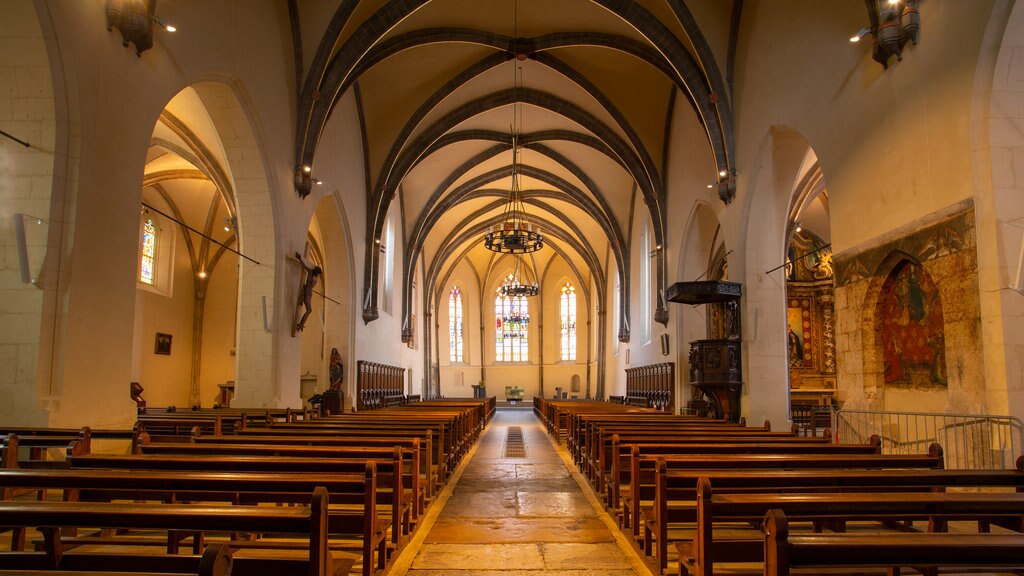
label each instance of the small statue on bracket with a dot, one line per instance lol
(337, 370)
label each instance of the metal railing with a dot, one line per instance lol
(969, 441)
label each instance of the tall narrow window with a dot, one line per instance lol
(455, 325)
(646, 310)
(568, 314)
(147, 265)
(512, 317)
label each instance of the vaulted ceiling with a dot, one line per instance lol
(594, 83)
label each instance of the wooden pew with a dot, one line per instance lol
(420, 460)
(445, 442)
(354, 491)
(37, 445)
(216, 561)
(431, 456)
(834, 495)
(50, 517)
(393, 474)
(784, 551)
(643, 477)
(606, 464)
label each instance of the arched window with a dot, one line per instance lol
(455, 325)
(387, 264)
(568, 315)
(512, 318)
(147, 263)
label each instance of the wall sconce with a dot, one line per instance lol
(134, 19)
(891, 26)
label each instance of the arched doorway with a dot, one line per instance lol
(185, 344)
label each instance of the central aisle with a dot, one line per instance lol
(510, 514)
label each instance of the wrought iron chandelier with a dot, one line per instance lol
(520, 282)
(514, 235)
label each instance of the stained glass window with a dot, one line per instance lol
(455, 325)
(568, 316)
(512, 318)
(147, 267)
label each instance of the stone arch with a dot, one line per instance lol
(257, 383)
(338, 289)
(760, 246)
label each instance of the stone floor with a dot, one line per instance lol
(518, 516)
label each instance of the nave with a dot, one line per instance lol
(510, 511)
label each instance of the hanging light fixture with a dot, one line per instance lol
(514, 235)
(520, 282)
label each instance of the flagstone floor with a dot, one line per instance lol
(511, 515)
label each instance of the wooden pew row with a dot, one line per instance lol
(354, 513)
(784, 552)
(620, 471)
(836, 496)
(398, 484)
(50, 517)
(420, 449)
(11, 444)
(607, 459)
(643, 471)
(445, 437)
(191, 465)
(583, 427)
(613, 460)
(215, 561)
(253, 414)
(444, 456)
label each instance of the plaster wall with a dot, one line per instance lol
(27, 110)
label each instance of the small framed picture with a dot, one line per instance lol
(163, 344)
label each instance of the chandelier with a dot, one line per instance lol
(514, 235)
(520, 282)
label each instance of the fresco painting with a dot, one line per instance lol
(913, 338)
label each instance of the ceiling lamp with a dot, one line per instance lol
(514, 235)
(520, 282)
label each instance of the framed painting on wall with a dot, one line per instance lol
(800, 330)
(163, 344)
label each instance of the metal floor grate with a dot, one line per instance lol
(514, 445)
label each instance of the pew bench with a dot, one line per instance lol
(784, 552)
(215, 561)
(421, 448)
(353, 511)
(50, 517)
(399, 522)
(834, 509)
(398, 468)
